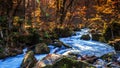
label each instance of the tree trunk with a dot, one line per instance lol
(62, 9)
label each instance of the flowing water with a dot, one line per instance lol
(14, 62)
(86, 48)
(78, 46)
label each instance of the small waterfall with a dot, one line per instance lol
(90, 35)
(24, 51)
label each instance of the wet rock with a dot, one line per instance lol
(95, 37)
(41, 48)
(67, 62)
(58, 43)
(85, 37)
(29, 60)
(48, 60)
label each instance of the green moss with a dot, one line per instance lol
(70, 63)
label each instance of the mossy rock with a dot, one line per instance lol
(85, 37)
(29, 60)
(70, 63)
(41, 48)
(58, 43)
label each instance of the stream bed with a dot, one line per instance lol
(78, 46)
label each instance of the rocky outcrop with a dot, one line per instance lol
(41, 48)
(50, 59)
(29, 60)
(57, 43)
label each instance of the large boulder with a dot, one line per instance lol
(50, 59)
(67, 62)
(41, 48)
(58, 44)
(59, 61)
(29, 60)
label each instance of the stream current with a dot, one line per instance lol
(78, 46)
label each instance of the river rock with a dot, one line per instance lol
(67, 62)
(50, 59)
(85, 37)
(41, 48)
(29, 60)
(58, 43)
